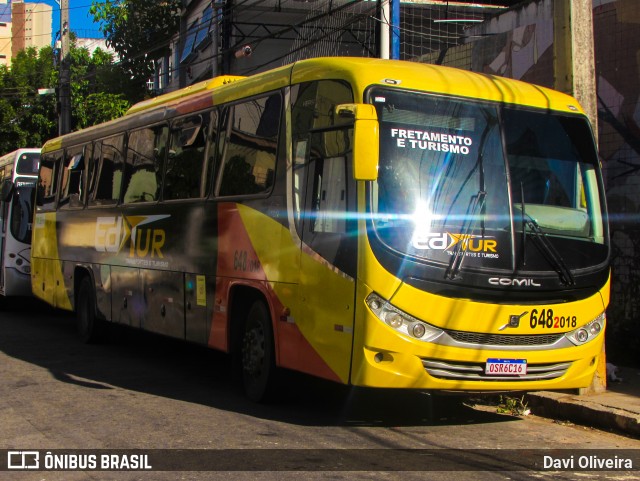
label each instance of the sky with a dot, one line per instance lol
(80, 21)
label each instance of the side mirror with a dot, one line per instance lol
(7, 190)
(366, 139)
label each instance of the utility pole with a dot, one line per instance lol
(64, 87)
(385, 27)
(395, 29)
(574, 73)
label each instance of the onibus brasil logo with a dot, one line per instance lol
(113, 233)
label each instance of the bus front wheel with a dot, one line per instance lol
(258, 360)
(87, 323)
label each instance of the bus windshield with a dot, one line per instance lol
(28, 163)
(473, 181)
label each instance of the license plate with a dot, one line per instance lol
(506, 367)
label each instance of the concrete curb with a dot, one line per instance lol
(582, 410)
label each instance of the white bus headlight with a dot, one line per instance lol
(587, 332)
(401, 321)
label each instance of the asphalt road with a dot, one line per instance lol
(142, 392)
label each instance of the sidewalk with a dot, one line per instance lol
(618, 408)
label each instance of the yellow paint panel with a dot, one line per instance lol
(383, 358)
(323, 309)
(466, 315)
(47, 279)
(327, 313)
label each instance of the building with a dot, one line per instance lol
(92, 44)
(31, 25)
(242, 37)
(5, 32)
(23, 25)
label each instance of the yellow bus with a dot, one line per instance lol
(18, 176)
(375, 223)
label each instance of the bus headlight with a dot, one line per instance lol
(401, 321)
(587, 332)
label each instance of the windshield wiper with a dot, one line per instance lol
(545, 246)
(476, 203)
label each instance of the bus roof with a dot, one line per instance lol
(365, 72)
(12, 156)
(361, 73)
(182, 93)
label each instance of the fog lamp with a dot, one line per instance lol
(419, 330)
(582, 335)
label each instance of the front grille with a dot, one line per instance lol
(504, 339)
(474, 371)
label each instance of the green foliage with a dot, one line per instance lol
(26, 118)
(512, 406)
(99, 92)
(104, 106)
(137, 28)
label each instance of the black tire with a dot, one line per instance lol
(89, 326)
(257, 354)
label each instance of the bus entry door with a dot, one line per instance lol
(328, 260)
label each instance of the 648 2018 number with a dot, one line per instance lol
(546, 319)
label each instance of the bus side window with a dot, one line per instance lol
(50, 166)
(145, 154)
(313, 106)
(109, 171)
(72, 177)
(249, 157)
(183, 177)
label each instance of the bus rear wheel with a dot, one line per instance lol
(87, 322)
(258, 360)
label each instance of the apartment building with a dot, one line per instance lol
(31, 25)
(23, 25)
(5, 32)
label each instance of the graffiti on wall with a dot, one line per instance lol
(617, 50)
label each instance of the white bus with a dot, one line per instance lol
(18, 177)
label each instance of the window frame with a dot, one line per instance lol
(226, 128)
(64, 199)
(51, 203)
(206, 163)
(97, 166)
(128, 171)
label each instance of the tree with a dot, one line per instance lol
(27, 119)
(138, 30)
(99, 92)
(97, 89)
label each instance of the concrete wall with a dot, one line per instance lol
(516, 44)
(617, 52)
